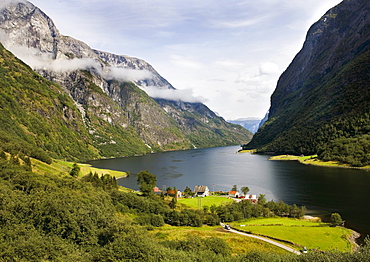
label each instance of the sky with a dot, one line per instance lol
(227, 54)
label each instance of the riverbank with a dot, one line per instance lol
(313, 160)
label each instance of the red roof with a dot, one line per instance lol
(233, 192)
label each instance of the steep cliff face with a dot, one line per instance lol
(107, 89)
(327, 83)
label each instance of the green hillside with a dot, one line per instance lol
(38, 119)
(57, 217)
(321, 103)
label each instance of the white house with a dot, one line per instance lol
(234, 194)
(252, 198)
(201, 191)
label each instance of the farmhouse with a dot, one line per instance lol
(252, 198)
(201, 191)
(234, 194)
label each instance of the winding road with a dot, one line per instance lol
(264, 239)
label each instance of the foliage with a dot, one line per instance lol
(106, 181)
(188, 192)
(63, 218)
(336, 219)
(146, 182)
(38, 118)
(245, 190)
(75, 171)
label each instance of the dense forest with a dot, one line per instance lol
(66, 218)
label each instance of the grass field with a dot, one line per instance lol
(313, 160)
(237, 243)
(313, 235)
(63, 168)
(205, 201)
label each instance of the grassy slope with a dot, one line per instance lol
(64, 167)
(237, 243)
(313, 235)
(206, 201)
(313, 160)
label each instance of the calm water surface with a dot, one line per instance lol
(321, 190)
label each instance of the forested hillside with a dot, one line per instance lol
(37, 118)
(321, 103)
(55, 217)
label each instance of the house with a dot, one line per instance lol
(252, 198)
(172, 193)
(201, 191)
(156, 190)
(234, 194)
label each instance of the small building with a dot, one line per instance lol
(252, 198)
(234, 194)
(156, 190)
(172, 193)
(201, 191)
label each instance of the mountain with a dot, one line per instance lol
(116, 116)
(252, 123)
(321, 102)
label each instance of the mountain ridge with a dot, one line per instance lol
(108, 90)
(321, 100)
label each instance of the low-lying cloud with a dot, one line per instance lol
(44, 61)
(125, 74)
(185, 95)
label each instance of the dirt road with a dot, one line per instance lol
(266, 240)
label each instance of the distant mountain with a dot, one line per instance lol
(252, 123)
(115, 115)
(322, 101)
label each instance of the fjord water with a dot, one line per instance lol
(322, 190)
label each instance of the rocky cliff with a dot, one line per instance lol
(323, 96)
(109, 90)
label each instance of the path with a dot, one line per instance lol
(266, 240)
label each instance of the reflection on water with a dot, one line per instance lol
(321, 190)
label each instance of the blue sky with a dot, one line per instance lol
(229, 53)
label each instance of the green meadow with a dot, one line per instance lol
(238, 244)
(313, 235)
(63, 168)
(204, 201)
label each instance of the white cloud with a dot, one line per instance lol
(124, 74)
(174, 94)
(228, 63)
(237, 23)
(269, 68)
(44, 61)
(190, 42)
(185, 62)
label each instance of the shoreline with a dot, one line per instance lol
(312, 160)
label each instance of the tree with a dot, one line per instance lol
(336, 219)
(262, 199)
(146, 182)
(188, 192)
(245, 190)
(75, 170)
(235, 188)
(173, 203)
